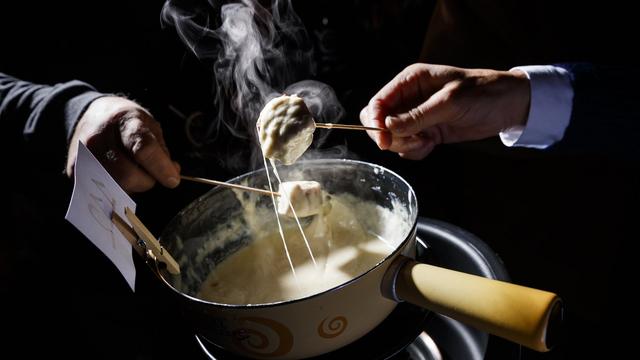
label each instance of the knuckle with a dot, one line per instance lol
(376, 104)
(129, 126)
(416, 114)
(414, 71)
(453, 93)
(141, 147)
(136, 137)
(413, 68)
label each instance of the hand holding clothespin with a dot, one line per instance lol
(145, 244)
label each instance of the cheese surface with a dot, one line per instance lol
(351, 238)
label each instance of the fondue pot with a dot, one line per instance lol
(333, 318)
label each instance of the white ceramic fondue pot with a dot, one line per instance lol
(331, 319)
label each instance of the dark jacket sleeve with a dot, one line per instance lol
(42, 118)
(605, 117)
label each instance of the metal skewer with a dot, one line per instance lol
(226, 184)
(348, 127)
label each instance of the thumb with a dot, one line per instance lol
(437, 109)
(371, 115)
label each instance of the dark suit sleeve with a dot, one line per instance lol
(606, 110)
(42, 118)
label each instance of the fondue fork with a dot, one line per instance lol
(342, 127)
(229, 185)
(348, 127)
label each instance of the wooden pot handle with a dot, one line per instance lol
(526, 316)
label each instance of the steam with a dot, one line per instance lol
(256, 54)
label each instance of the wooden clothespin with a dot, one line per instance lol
(143, 241)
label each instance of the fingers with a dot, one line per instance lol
(412, 134)
(408, 143)
(127, 173)
(402, 87)
(142, 137)
(381, 138)
(412, 88)
(412, 84)
(415, 147)
(128, 141)
(420, 153)
(72, 154)
(438, 108)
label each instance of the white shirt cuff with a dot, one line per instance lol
(549, 110)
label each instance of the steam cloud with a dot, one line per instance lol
(256, 54)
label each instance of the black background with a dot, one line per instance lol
(561, 222)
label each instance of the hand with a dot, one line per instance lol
(128, 142)
(426, 105)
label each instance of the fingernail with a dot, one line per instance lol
(173, 182)
(392, 122)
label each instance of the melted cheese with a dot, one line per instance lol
(344, 245)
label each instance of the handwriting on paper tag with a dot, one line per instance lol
(95, 196)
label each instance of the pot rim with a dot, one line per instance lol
(392, 255)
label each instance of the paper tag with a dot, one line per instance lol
(95, 196)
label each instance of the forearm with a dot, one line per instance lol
(581, 108)
(42, 118)
(606, 115)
